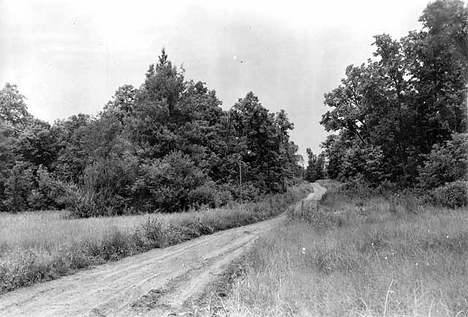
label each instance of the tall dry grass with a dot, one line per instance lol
(40, 246)
(359, 257)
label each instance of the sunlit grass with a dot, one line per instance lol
(359, 258)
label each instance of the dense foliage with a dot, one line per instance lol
(315, 166)
(165, 146)
(401, 117)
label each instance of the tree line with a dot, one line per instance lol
(401, 117)
(166, 146)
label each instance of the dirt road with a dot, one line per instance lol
(317, 194)
(161, 282)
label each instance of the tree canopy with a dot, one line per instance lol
(165, 146)
(391, 111)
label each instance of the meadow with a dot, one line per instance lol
(359, 256)
(41, 246)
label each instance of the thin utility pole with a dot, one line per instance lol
(240, 181)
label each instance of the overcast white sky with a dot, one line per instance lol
(69, 57)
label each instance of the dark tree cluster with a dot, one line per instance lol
(166, 146)
(401, 117)
(315, 166)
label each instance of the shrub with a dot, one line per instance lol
(164, 184)
(358, 188)
(49, 190)
(205, 195)
(386, 188)
(115, 246)
(153, 233)
(451, 195)
(82, 203)
(446, 163)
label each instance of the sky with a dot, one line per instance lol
(69, 57)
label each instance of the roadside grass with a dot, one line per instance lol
(41, 246)
(359, 257)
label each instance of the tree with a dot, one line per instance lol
(18, 187)
(391, 111)
(37, 144)
(288, 157)
(310, 173)
(263, 138)
(72, 157)
(156, 113)
(333, 149)
(446, 22)
(7, 143)
(7, 159)
(13, 109)
(315, 166)
(200, 128)
(122, 104)
(167, 146)
(164, 85)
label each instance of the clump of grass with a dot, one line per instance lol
(41, 246)
(388, 258)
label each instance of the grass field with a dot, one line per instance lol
(359, 257)
(40, 246)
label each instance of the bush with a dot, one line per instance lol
(153, 233)
(82, 203)
(164, 184)
(451, 195)
(358, 188)
(446, 163)
(205, 195)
